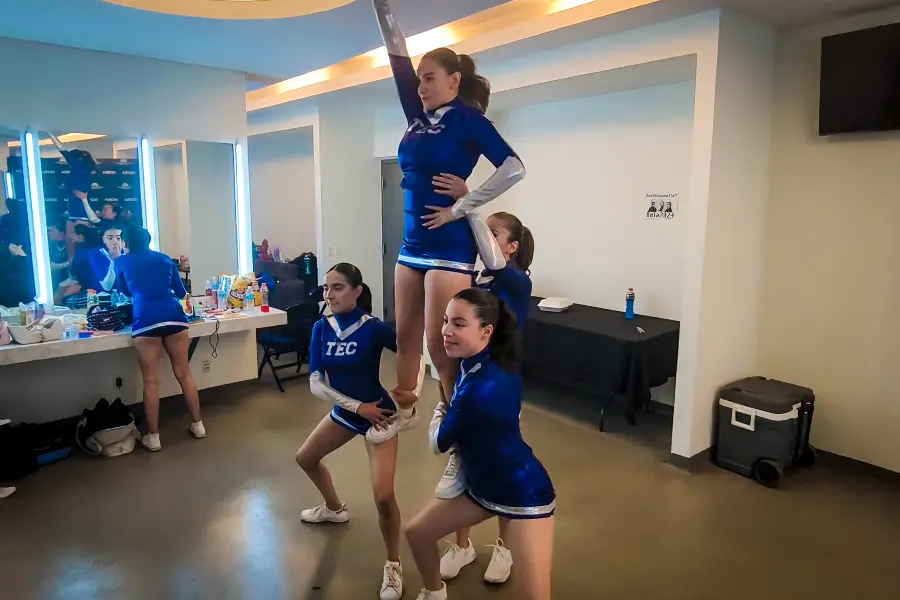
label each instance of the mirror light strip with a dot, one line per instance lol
(148, 191)
(242, 211)
(8, 183)
(34, 195)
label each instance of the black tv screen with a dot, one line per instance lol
(860, 87)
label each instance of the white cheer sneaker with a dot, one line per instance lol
(453, 481)
(323, 514)
(392, 582)
(429, 595)
(403, 420)
(455, 559)
(501, 564)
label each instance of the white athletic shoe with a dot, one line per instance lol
(408, 418)
(427, 595)
(455, 559)
(151, 442)
(323, 514)
(403, 420)
(198, 430)
(6, 492)
(392, 582)
(501, 564)
(453, 482)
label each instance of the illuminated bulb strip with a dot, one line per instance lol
(148, 191)
(34, 194)
(242, 212)
(8, 182)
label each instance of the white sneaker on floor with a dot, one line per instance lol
(455, 559)
(439, 595)
(501, 564)
(6, 492)
(323, 514)
(392, 582)
(151, 442)
(198, 430)
(453, 482)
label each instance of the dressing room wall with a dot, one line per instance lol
(283, 189)
(831, 280)
(590, 164)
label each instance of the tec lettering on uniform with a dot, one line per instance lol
(341, 349)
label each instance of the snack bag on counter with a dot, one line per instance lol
(237, 293)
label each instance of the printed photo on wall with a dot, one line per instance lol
(661, 206)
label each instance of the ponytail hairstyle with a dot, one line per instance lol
(504, 345)
(354, 277)
(520, 234)
(474, 89)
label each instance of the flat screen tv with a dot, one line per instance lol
(860, 84)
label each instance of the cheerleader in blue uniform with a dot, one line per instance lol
(78, 185)
(511, 284)
(481, 422)
(344, 361)
(447, 132)
(159, 323)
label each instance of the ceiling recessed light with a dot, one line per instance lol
(234, 9)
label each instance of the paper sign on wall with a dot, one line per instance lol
(661, 206)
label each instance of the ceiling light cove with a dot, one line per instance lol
(234, 9)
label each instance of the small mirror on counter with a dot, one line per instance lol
(91, 194)
(16, 261)
(195, 197)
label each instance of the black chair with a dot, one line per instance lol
(289, 339)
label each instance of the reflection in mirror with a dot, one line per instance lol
(91, 194)
(196, 207)
(16, 266)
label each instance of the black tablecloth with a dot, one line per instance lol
(601, 352)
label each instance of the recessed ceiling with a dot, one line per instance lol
(234, 9)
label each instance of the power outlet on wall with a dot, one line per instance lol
(206, 366)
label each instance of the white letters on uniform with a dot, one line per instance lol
(341, 348)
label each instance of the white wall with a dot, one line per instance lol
(68, 89)
(283, 190)
(590, 163)
(831, 281)
(210, 184)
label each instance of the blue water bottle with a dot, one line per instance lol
(629, 304)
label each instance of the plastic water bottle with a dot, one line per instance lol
(264, 298)
(249, 300)
(92, 299)
(629, 304)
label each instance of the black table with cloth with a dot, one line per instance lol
(600, 352)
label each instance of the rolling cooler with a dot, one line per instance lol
(764, 428)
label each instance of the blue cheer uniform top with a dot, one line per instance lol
(448, 140)
(512, 286)
(152, 279)
(346, 351)
(81, 166)
(482, 422)
(94, 269)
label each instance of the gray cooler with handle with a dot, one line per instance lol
(764, 428)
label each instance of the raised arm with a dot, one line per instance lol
(177, 284)
(57, 143)
(510, 170)
(404, 74)
(318, 384)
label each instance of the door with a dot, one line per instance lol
(391, 230)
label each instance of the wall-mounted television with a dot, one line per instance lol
(860, 83)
